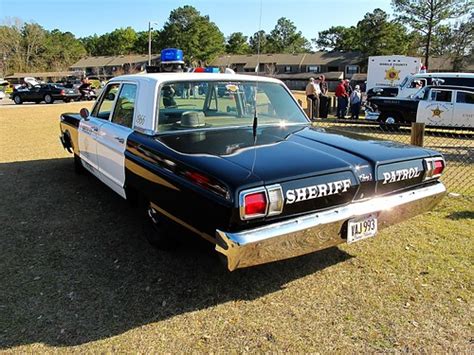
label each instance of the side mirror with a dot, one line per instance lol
(111, 96)
(84, 113)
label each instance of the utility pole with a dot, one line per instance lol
(149, 43)
(149, 40)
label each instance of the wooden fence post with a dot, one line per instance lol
(417, 133)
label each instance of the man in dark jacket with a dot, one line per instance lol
(323, 97)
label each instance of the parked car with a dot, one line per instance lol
(44, 92)
(249, 174)
(446, 106)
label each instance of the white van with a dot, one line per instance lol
(409, 85)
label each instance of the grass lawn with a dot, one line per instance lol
(78, 275)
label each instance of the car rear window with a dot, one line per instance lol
(210, 104)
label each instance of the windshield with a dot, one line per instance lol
(420, 94)
(404, 81)
(206, 104)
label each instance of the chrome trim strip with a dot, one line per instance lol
(182, 223)
(320, 230)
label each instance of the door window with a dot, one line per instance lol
(125, 106)
(105, 107)
(441, 95)
(465, 97)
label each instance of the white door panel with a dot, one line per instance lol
(463, 115)
(438, 109)
(87, 140)
(112, 142)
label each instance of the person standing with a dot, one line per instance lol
(317, 95)
(323, 97)
(341, 95)
(311, 96)
(348, 87)
(356, 99)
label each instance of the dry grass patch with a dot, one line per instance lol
(77, 274)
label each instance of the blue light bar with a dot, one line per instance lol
(172, 55)
(212, 70)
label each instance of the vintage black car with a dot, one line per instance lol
(247, 171)
(44, 92)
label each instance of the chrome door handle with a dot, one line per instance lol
(119, 139)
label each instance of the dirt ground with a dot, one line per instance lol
(77, 275)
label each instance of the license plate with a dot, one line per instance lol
(361, 228)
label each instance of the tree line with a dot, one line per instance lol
(420, 28)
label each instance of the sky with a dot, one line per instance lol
(86, 17)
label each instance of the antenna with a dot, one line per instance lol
(257, 67)
(255, 117)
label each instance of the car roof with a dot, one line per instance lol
(161, 77)
(451, 87)
(446, 75)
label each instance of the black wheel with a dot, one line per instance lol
(17, 99)
(37, 102)
(67, 100)
(158, 231)
(78, 168)
(389, 121)
(48, 99)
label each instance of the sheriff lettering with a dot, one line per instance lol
(398, 175)
(315, 191)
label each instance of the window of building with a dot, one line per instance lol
(314, 69)
(352, 69)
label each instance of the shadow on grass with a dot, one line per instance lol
(74, 266)
(461, 215)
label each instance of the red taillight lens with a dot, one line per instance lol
(62, 92)
(433, 167)
(255, 204)
(198, 178)
(438, 167)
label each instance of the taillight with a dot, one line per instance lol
(62, 92)
(255, 204)
(434, 168)
(261, 202)
(438, 168)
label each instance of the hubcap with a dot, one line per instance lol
(390, 120)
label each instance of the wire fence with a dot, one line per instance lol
(456, 144)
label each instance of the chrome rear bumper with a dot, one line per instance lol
(316, 231)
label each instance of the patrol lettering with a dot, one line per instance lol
(399, 175)
(315, 191)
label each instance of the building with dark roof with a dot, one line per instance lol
(109, 66)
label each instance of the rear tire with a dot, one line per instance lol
(158, 231)
(389, 121)
(17, 99)
(48, 99)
